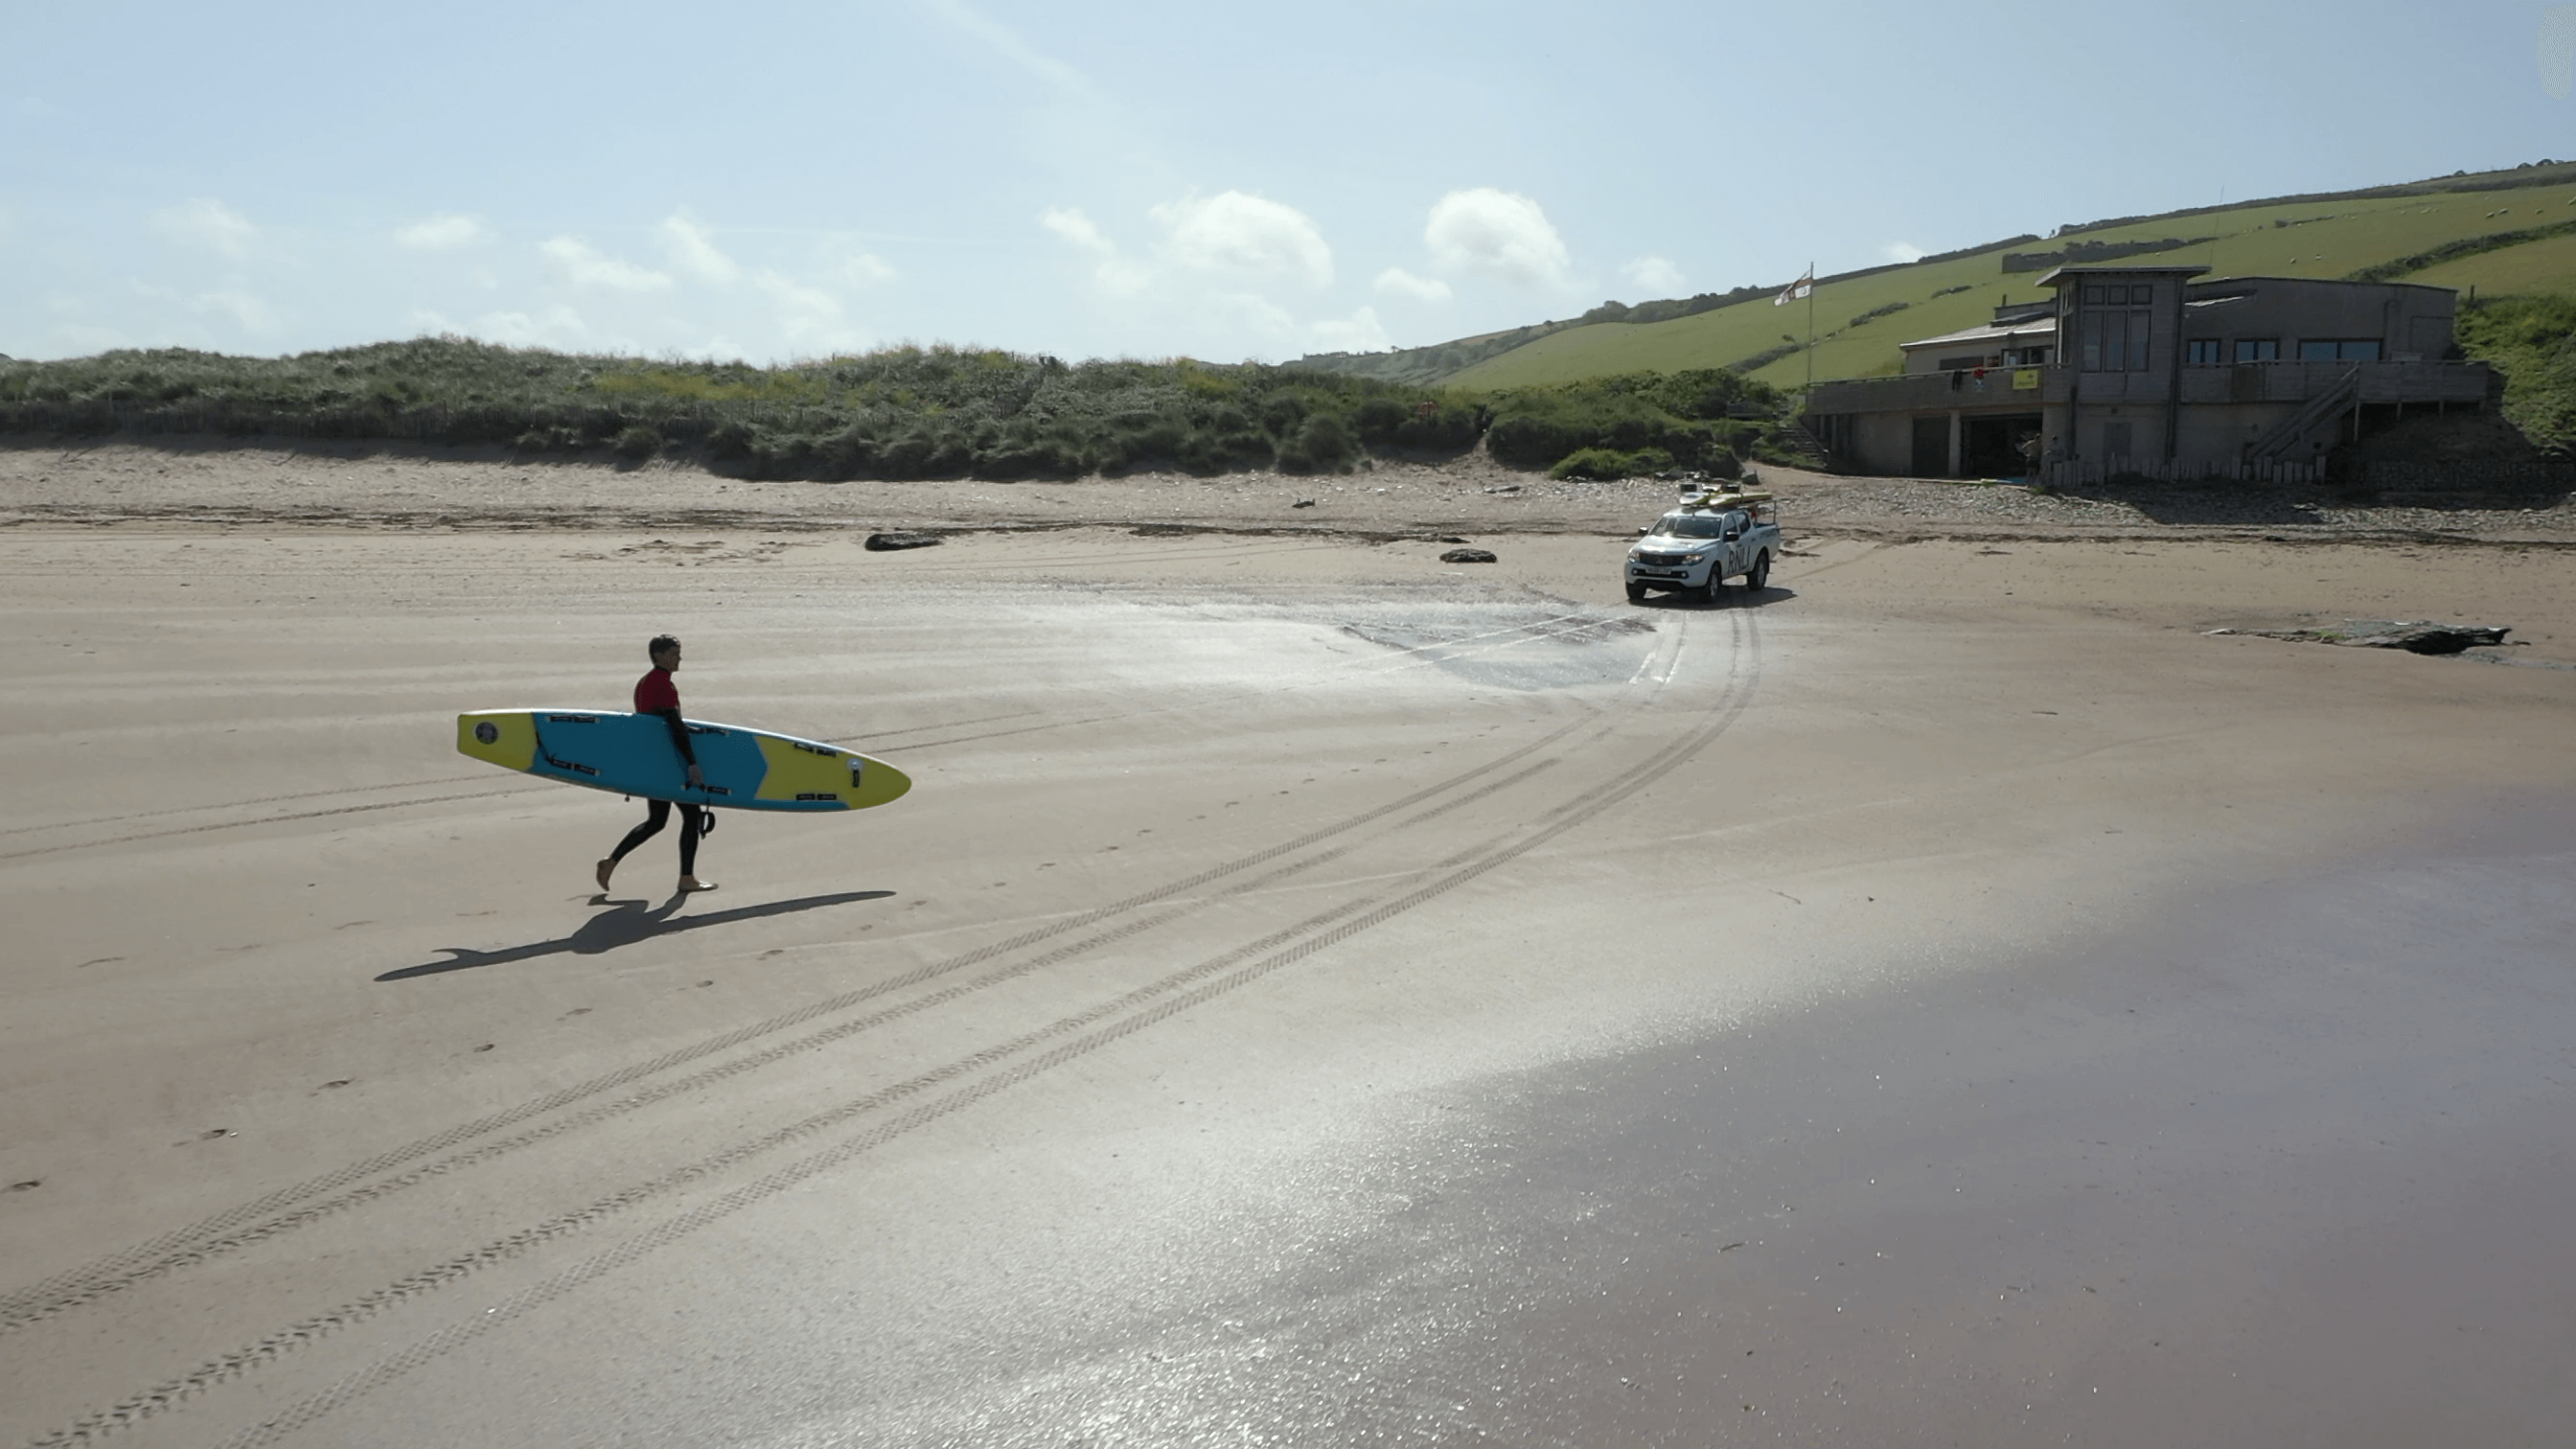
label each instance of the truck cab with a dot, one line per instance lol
(1715, 533)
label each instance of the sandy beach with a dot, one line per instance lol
(1978, 989)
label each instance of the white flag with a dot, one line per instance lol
(1797, 289)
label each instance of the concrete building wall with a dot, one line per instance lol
(1883, 442)
(2128, 438)
(2146, 408)
(2212, 439)
(2002, 350)
(2410, 322)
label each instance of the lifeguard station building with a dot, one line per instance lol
(2150, 370)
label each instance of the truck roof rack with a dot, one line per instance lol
(1702, 493)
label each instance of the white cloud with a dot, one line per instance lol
(866, 269)
(247, 312)
(1248, 236)
(1899, 251)
(557, 326)
(1069, 222)
(208, 223)
(1482, 229)
(1359, 332)
(592, 268)
(1237, 313)
(1655, 276)
(1011, 46)
(82, 339)
(694, 251)
(1405, 284)
(443, 232)
(1115, 274)
(811, 317)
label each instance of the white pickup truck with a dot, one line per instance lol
(1718, 532)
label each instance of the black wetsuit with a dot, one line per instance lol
(658, 812)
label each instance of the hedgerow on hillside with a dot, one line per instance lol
(905, 412)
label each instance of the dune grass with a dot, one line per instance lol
(904, 412)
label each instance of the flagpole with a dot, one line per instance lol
(1811, 325)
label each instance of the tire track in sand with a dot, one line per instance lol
(1097, 1027)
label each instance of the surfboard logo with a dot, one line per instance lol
(487, 732)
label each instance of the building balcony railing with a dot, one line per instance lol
(2001, 388)
(2381, 382)
(2005, 389)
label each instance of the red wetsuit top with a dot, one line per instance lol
(656, 694)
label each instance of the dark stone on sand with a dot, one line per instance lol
(2420, 636)
(1467, 555)
(887, 542)
(2429, 638)
(1303, 503)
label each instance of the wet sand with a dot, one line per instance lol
(1315, 994)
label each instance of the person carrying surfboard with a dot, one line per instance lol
(655, 694)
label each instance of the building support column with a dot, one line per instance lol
(1958, 432)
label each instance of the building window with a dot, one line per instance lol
(2258, 349)
(2116, 341)
(2204, 352)
(2361, 349)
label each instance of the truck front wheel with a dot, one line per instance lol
(1636, 592)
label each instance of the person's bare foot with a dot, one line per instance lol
(606, 868)
(690, 883)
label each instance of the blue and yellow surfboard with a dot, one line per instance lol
(631, 754)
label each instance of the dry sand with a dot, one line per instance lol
(1315, 993)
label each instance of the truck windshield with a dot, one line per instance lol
(1690, 525)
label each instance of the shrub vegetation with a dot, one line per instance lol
(2532, 341)
(905, 412)
(1709, 419)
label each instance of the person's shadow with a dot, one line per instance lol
(624, 924)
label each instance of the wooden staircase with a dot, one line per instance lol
(2276, 444)
(1795, 437)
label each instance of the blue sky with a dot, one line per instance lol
(1146, 179)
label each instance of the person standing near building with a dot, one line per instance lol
(656, 694)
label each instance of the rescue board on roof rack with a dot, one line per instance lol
(1718, 495)
(631, 754)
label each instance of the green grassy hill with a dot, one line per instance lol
(2545, 268)
(1860, 320)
